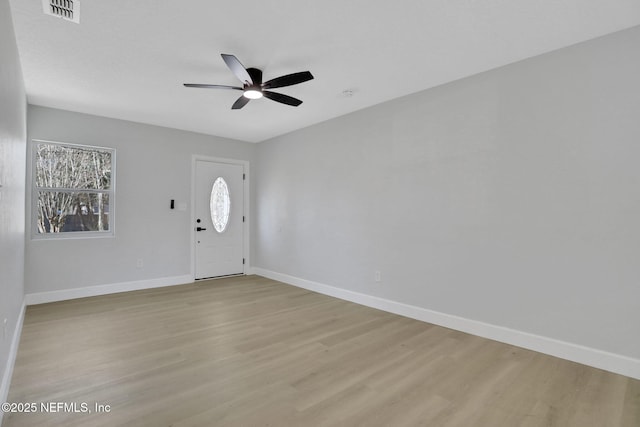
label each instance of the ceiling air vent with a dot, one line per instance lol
(69, 10)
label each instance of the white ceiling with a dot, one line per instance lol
(128, 59)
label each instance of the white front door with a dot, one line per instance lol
(219, 219)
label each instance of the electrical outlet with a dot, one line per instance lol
(139, 263)
(377, 277)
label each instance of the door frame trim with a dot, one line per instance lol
(246, 229)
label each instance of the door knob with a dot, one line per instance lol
(200, 229)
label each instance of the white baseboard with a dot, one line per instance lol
(11, 360)
(91, 291)
(611, 362)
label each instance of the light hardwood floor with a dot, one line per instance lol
(249, 351)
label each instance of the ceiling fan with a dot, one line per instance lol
(253, 87)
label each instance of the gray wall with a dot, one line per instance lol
(13, 106)
(511, 197)
(153, 166)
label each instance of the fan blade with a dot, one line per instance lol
(240, 102)
(256, 75)
(237, 68)
(284, 99)
(211, 86)
(288, 80)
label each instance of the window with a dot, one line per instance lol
(73, 190)
(220, 204)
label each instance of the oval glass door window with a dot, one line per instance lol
(220, 204)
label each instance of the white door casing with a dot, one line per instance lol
(218, 253)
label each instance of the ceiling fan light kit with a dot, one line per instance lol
(252, 86)
(252, 93)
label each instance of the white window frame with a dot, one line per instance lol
(111, 192)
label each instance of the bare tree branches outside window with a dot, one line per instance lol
(73, 185)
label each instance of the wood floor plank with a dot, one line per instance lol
(249, 351)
